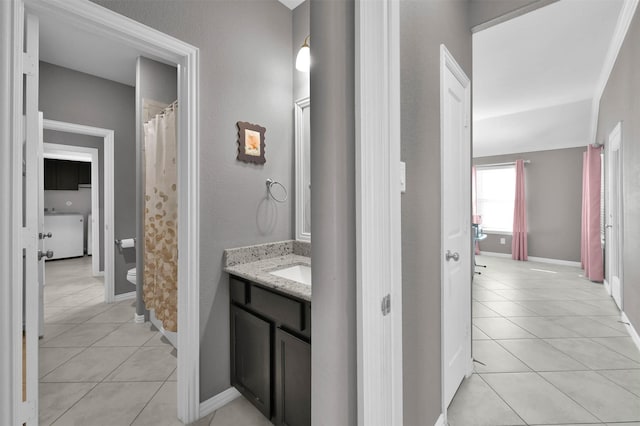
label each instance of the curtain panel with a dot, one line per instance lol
(591, 256)
(519, 241)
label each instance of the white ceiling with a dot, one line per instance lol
(291, 4)
(535, 76)
(63, 45)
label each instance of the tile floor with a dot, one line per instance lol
(550, 350)
(97, 367)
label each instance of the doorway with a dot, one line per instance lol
(455, 100)
(613, 222)
(114, 27)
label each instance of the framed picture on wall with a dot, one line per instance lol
(251, 143)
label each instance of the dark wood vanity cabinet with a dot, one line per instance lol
(271, 351)
(293, 380)
(251, 358)
(65, 174)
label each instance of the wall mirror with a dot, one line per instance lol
(303, 169)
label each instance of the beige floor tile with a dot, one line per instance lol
(57, 398)
(128, 334)
(493, 358)
(537, 401)
(589, 388)
(239, 412)
(476, 404)
(149, 364)
(81, 336)
(110, 404)
(51, 358)
(92, 365)
(501, 328)
(119, 313)
(161, 410)
(592, 354)
(628, 379)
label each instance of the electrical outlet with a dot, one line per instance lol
(503, 241)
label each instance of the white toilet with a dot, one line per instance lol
(131, 276)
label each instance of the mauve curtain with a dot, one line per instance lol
(475, 218)
(591, 247)
(519, 241)
(160, 284)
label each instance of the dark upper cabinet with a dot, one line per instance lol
(251, 358)
(65, 174)
(84, 173)
(50, 174)
(293, 380)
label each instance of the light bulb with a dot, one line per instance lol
(303, 60)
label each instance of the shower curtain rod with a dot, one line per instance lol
(509, 163)
(171, 107)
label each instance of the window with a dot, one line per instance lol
(496, 191)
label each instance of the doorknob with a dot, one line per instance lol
(455, 256)
(608, 226)
(48, 254)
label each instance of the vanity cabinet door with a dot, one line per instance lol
(293, 380)
(251, 358)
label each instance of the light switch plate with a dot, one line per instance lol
(503, 241)
(403, 177)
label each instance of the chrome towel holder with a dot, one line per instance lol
(270, 183)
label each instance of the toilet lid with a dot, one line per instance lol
(132, 272)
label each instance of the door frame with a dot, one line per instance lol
(378, 213)
(107, 136)
(106, 23)
(448, 63)
(615, 143)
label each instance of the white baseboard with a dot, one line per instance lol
(607, 287)
(440, 421)
(494, 254)
(138, 319)
(534, 259)
(218, 401)
(631, 329)
(555, 261)
(124, 296)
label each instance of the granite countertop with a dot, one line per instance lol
(255, 262)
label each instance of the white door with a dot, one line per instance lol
(614, 215)
(456, 224)
(30, 225)
(41, 234)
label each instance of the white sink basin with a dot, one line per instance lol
(298, 273)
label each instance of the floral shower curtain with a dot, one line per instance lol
(160, 283)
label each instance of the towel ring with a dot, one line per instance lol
(270, 183)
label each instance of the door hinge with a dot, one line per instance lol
(29, 64)
(386, 305)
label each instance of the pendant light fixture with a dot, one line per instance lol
(303, 60)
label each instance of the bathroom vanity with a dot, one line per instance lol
(270, 329)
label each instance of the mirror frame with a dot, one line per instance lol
(300, 106)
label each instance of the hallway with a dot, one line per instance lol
(549, 349)
(97, 367)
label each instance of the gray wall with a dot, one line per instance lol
(424, 25)
(334, 387)
(553, 182)
(157, 82)
(79, 98)
(51, 136)
(246, 70)
(621, 102)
